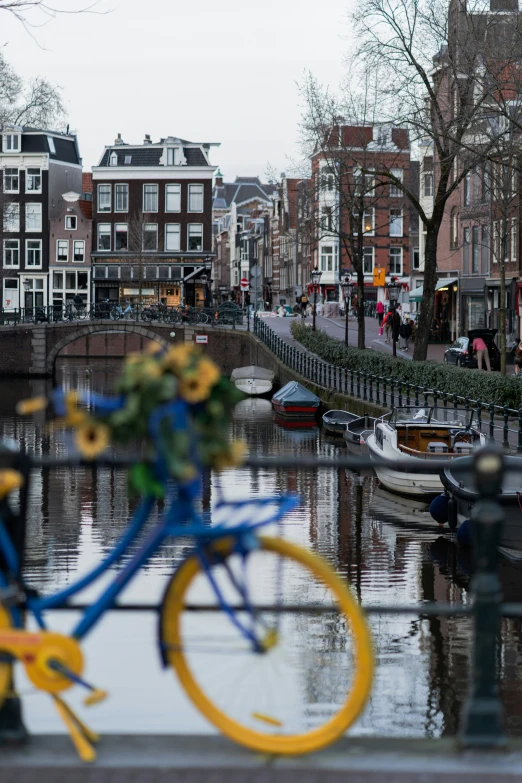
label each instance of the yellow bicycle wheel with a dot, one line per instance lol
(312, 671)
(5, 668)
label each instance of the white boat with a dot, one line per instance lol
(253, 380)
(420, 433)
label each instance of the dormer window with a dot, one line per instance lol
(52, 148)
(172, 156)
(114, 159)
(12, 142)
(128, 159)
(70, 222)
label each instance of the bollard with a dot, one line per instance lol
(482, 724)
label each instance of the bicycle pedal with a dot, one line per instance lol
(95, 697)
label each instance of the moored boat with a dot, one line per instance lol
(356, 433)
(294, 401)
(425, 433)
(335, 422)
(464, 493)
(253, 380)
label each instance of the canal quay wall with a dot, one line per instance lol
(209, 759)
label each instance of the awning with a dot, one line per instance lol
(416, 294)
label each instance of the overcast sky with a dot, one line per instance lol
(205, 71)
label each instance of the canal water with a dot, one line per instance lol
(388, 551)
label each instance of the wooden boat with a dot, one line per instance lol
(357, 432)
(294, 401)
(463, 492)
(253, 380)
(335, 422)
(420, 433)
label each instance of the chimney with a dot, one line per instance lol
(147, 139)
(118, 140)
(219, 178)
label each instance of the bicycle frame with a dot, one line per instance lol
(166, 528)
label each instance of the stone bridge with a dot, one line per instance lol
(33, 349)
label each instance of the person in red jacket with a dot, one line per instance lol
(480, 349)
(379, 309)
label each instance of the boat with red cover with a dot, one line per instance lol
(294, 401)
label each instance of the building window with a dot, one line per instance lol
(368, 253)
(121, 197)
(327, 180)
(150, 236)
(396, 260)
(328, 258)
(11, 252)
(327, 219)
(11, 181)
(514, 242)
(173, 156)
(195, 198)
(12, 217)
(454, 238)
(428, 184)
(150, 198)
(496, 243)
(33, 253)
(369, 222)
(474, 250)
(114, 159)
(396, 222)
(128, 160)
(172, 237)
(33, 217)
(416, 258)
(33, 181)
(173, 198)
(121, 236)
(465, 251)
(62, 250)
(467, 189)
(395, 191)
(195, 236)
(83, 281)
(104, 198)
(104, 236)
(78, 251)
(71, 222)
(11, 142)
(58, 280)
(52, 148)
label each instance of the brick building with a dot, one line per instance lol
(36, 167)
(152, 221)
(70, 237)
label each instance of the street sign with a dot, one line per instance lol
(255, 283)
(256, 271)
(244, 284)
(379, 276)
(201, 339)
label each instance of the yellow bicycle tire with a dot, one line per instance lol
(313, 740)
(5, 668)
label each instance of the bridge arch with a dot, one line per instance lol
(102, 328)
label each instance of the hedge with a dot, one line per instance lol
(487, 387)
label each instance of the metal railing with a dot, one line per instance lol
(482, 724)
(213, 316)
(500, 423)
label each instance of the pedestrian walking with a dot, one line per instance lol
(379, 309)
(405, 331)
(387, 323)
(395, 325)
(303, 302)
(480, 349)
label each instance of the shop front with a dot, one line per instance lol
(149, 283)
(512, 305)
(472, 304)
(445, 324)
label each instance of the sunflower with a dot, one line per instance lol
(153, 348)
(33, 405)
(91, 438)
(9, 480)
(208, 371)
(73, 415)
(233, 457)
(179, 357)
(194, 388)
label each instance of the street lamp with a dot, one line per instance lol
(347, 286)
(394, 289)
(316, 279)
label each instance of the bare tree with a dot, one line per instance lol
(36, 13)
(37, 102)
(353, 151)
(439, 75)
(137, 247)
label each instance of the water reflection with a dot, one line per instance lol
(390, 553)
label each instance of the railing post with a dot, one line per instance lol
(417, 395)
(329, 376)
(346, 385)
(351, 382)
(519, 447)
(384, 391)
(455, 402)
(357, 372)
(445, 399)
(425, 392)
(506, 428)
(492, 421)
(377, 392)
(435, 397)
(392, 392)
(408, 400)
(479, 415)
(399, 389)
(365, 378)
(483, 715)
(371, 388)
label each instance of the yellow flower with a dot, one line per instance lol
(73, 415)
(91, 438)
(27, 407)
(153, 348)
(233, 457)
(208, 371)
(9, 480)
(194, 388)
(179, 357)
